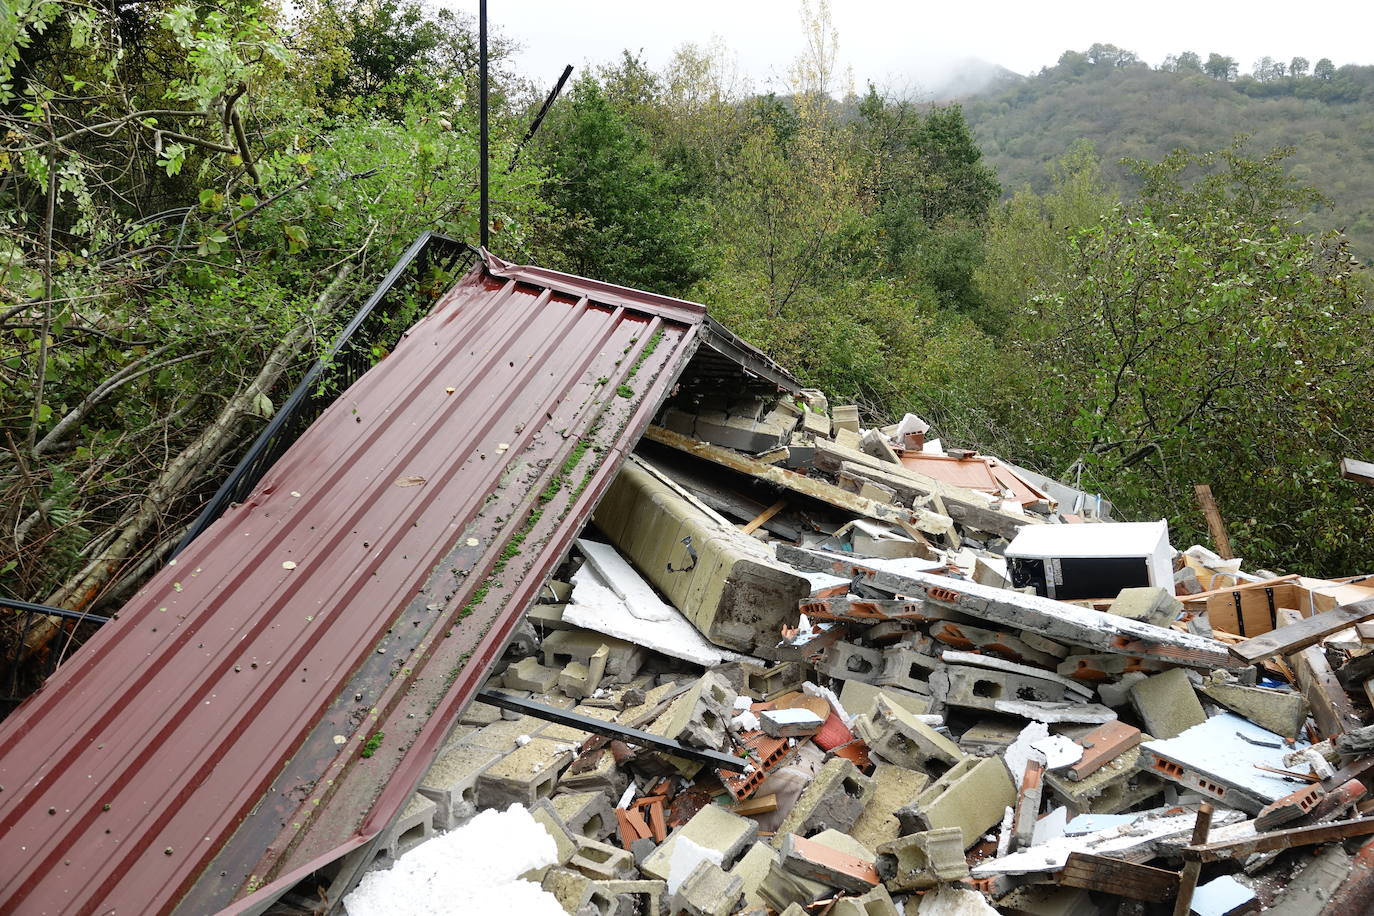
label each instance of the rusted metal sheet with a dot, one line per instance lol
(271, 701)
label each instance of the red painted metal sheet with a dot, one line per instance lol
(210, 741)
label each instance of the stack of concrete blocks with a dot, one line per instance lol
(413, 826)
(725, 582)
(750, 425)
(582, 659)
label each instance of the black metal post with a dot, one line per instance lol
(482, 116)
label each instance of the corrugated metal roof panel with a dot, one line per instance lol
(210, 741)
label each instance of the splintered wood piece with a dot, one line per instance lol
(1187, 880)
(1279, 839)
(1306, 632)
(1214, 522)
(761, 805)
(1331, 706)
(764, 516)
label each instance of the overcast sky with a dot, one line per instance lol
(906, 45)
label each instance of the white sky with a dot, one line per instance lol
(906, 45)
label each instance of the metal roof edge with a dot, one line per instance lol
(595, 290)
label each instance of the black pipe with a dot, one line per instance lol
(482, 115)
(539, 118)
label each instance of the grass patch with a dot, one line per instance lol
(371, 745)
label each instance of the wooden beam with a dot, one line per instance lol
(1187, 881)
(1331, 706)
(1214, 520)
(1306, 632)
(764, 516)
(1279, 839)
(1118, 877)
(908, 520)
(1362, 471)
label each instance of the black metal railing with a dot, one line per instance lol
(429, 266)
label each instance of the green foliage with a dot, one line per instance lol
(1142, 113)
(1201, 337)
(623, 216)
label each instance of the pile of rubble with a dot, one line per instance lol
(799, 667)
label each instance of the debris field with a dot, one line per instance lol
(797, 666)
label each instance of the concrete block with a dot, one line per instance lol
(633, 898)
(713, 828)
(623, 659)
(1278, 711)
(876, 902)
(770, 682)
(601, 861)
(972, 796)
(525, 775)
(845, 416)
(478, 714)
(819, 862)
(751, 870)
(701, 715)
(595, 772)
(833, 799)
(907, 669)
(412, 826)
(586, 813)
(782, 890)
(990, 737)
(816, 423)
(725, 582)
(922, 860)
(859, 698)
(582, 680)
(1118, 786)
(578, 894)
(528, 674)
(451, 783)
(502, 735)
(790, 723)
(893, 787)
(1118, 695)
(564, 842)
(707, 891)
(1167, 704)
(898, 737)
(1148, 604)
(546, 617)
(982, 688)
(848, 661)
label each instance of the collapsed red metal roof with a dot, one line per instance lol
(204, 750)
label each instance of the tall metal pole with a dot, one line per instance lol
(482, 115)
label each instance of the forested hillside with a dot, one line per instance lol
(193, 197)
(1130, 110)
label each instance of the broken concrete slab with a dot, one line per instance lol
(1221, 758)
(1120, 784)
(1278, 711)
(893, 787)
(707, 891)
(751, 869)
(876, 902)
(1149, 604)
(725, 582)
(859, 698)
(1167, 703)
(528, 674)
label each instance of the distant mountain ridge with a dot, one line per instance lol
(1128, 109)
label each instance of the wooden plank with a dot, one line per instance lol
(1331, 706)
(909, 520)
(764, 516)
(1303, 633)
(1187, 881)
(1279, 839)
(1117, 877)
(1362, 471)
(1214, 521)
